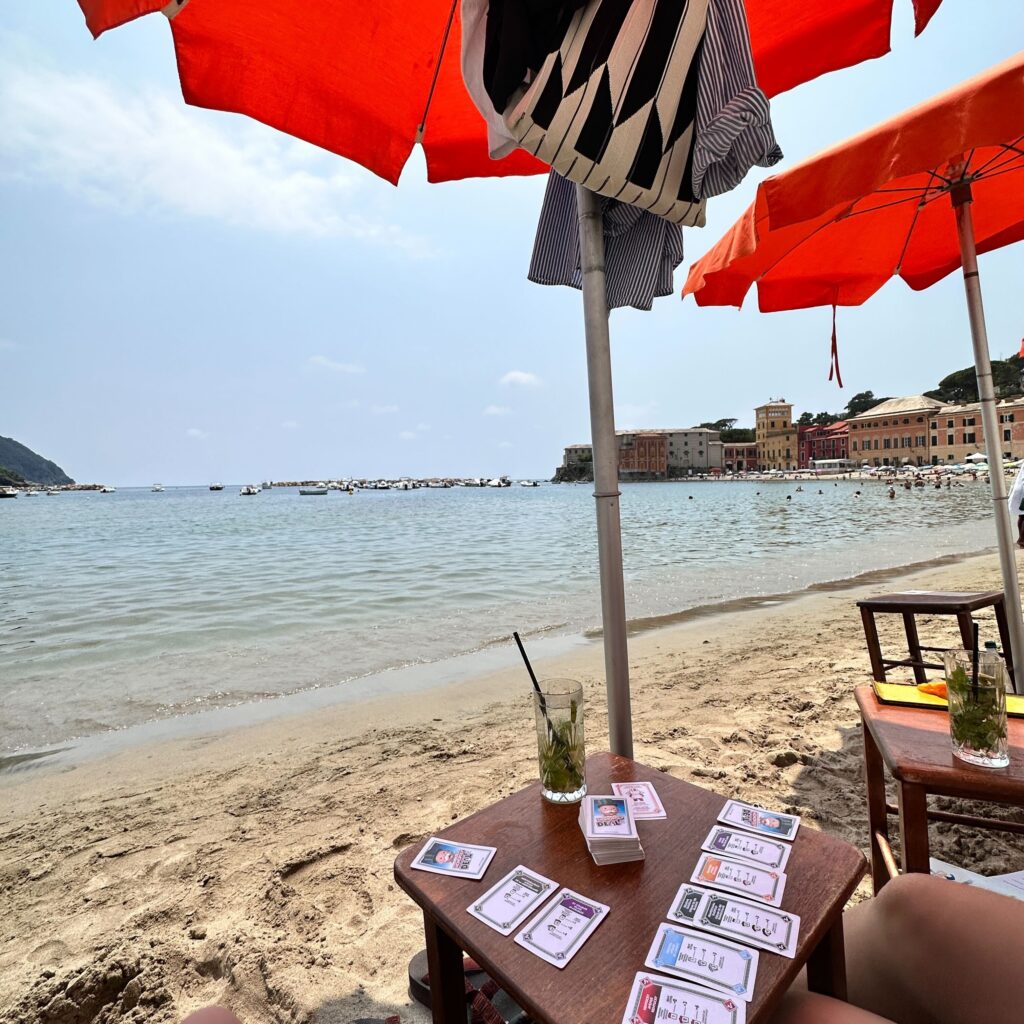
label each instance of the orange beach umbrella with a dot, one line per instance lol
(916, 197)
(370, 80)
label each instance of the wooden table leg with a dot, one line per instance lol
(1004, 640)
(826, 968)
(878, 818)
(966, 621)
(913, 805)
(914, 645)
(867, 616)
(447, 981)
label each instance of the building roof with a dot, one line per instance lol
(898, 406)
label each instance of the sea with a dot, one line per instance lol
(136, 607)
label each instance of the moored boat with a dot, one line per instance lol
(216, 487)
(8, 492)
(312, 490)
(249, 489)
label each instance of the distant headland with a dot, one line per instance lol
(20, 465)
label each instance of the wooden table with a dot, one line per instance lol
(914, 744)
(526, 829)
(960, 604)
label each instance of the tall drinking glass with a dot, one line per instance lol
(560, 750)
(977, 711)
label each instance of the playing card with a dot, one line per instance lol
(740, 877)
(657, 998)
(509, 902)
(560, 929)
(642, 797)
(607, 817)
(760, 850)
(702, 958)
(752, 923)
(757, 819)
(446, 857)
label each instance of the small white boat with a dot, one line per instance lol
(107, 489)
(249, 489)
(528, 483)
(8, 492)
(157, 488)
(216, 487)
(266, 485)
(312, 490)
(52, 493)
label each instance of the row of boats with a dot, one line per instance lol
(403, 484)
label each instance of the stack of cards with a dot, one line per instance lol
(608, 826)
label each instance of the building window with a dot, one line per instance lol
(876, 444)
(885, 443)
(935, 424)
(969, 437)
(949, 424)
(969, 421)
(920, 419)
(949, 440)
(854, 445)
(920, 441)
(935, 441)
(906, 420)
(1006, 437)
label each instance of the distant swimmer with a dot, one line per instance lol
(789, 497)
(856, 494)
(691, 497)
(820, 491)
(892, 492)
(799, 490)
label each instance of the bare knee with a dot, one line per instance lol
(211, 1015)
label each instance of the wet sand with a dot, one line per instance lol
(253, 867)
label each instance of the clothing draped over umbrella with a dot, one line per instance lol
(915, 197)
(370, 81)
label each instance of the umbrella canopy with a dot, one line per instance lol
(369, 80)
(835, 228)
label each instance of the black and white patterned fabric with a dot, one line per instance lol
(641, 250)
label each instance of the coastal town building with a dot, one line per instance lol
(654, 454)
(739, 456)
(894, 433)
(819, 443)
(955, 431)
(776, 436)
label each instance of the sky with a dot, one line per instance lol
(188, 296)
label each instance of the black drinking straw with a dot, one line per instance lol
(974, 666)
(533, 679)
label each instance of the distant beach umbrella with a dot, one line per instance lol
(369, 81)
(895, 200)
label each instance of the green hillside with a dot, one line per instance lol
(19, 463)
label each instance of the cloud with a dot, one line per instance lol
(497, 410)
(408, 435)
(383, 410)
(144, 151)
(520, 378)
(422, 427)
(289, 425)
(334, 366)
(199, 435)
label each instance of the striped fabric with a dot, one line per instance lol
(734, 128)
(640, 249)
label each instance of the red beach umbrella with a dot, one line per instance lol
(915, 197)
(370, 80)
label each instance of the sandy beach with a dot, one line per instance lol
(253, 868)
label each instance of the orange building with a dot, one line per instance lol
(643, 453)
(894, 433)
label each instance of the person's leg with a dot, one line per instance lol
(810, 1008)
(930, 951)
(1020, 531)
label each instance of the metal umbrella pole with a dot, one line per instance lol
(961, 197)
(606, 471)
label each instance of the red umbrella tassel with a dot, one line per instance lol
(834, 364)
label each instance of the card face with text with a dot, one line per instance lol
(740, 877)
(643, 799)
(704, 959)
(654, 998)
(446, 857)
(757, 819)
(508, 903)
(766, 853)
(732, 917)
(607, 817)
(560, 929)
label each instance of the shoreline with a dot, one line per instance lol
(410, 679)
(253, 867)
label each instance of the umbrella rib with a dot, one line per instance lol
(913, 224)
(1007, 158)
(437, 71)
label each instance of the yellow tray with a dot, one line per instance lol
(909, 696)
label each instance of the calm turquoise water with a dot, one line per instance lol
(121, 608)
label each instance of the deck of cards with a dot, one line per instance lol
(608, 826)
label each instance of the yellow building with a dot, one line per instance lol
(776, 436)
